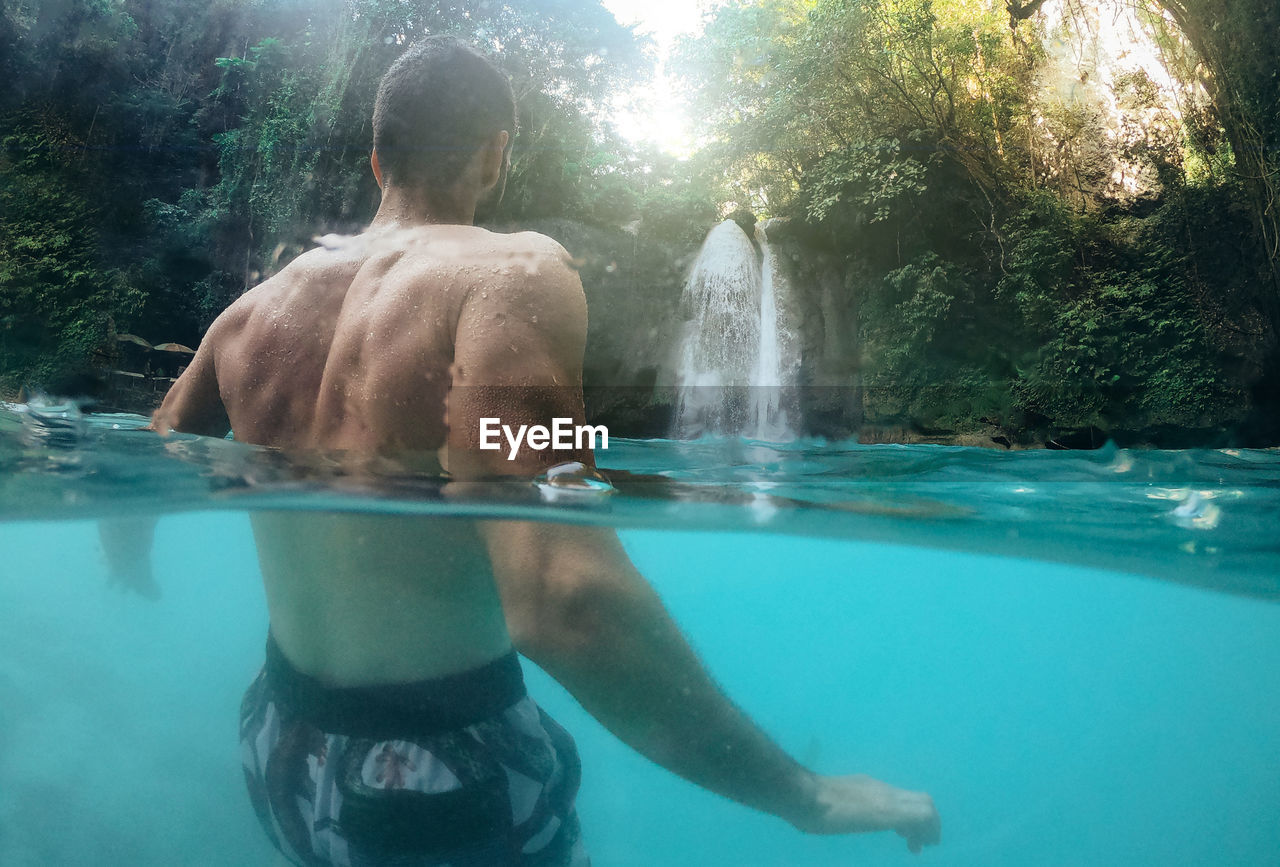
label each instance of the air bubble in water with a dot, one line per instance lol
(572, 480)
(1197, 512)
(58, 425)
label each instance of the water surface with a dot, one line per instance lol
(1078, 655)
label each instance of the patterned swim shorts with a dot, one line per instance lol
(461, 771)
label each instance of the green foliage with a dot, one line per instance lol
(1110, 330)
(907, 314)
(1230, 46)
(675, 201)
(161, 158)
(57, 302)
(873, 180)
(787, 83)
(918, 359)
(998, 269)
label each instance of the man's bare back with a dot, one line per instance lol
(351, 348)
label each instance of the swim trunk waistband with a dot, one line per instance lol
(419, 708)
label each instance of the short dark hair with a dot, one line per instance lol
(438, 103)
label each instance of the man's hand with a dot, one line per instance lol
(126, 543)
(843, 805)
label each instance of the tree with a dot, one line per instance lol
(1237, 42)
(162, 156)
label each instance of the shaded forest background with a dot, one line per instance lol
(1024, 239)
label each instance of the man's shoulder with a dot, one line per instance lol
(267, 294)
(533, 242)
(539, 272)
(540, 260)
(534, 250)
(510, 263)
(527, 275)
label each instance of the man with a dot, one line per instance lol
(390, 724)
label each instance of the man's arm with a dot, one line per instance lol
(576, 605)
(518, 352)
(126, 544)
(194, 404)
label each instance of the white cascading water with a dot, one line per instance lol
(735, 359)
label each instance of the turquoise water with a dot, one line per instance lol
(1077, 655)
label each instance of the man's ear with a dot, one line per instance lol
(495, 154)
(377, 169)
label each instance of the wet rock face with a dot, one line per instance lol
(823, 316)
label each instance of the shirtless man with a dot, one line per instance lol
(390, 721)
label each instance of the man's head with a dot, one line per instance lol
(440, 113)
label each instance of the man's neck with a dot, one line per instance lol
(401, 208)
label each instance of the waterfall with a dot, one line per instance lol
(767, 415)
(738, 362)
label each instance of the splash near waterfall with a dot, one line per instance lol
(739, 361)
